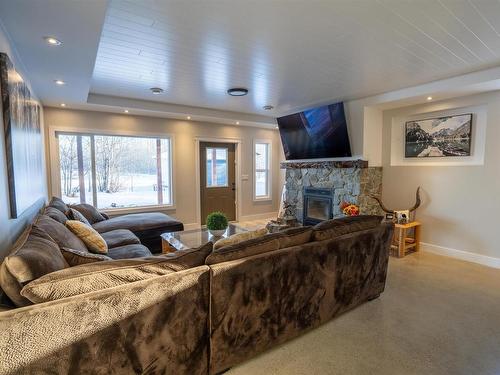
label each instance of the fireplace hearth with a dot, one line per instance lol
(309, 185)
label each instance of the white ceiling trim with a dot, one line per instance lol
(176, 111)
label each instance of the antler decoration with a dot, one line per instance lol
(415, 206)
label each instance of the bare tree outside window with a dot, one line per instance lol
(129, 171)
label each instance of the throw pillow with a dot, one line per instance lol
(34, 255)
(90, 237)
(239, 237)
(78, 257)
(59, 204)
(337, 227)
(55, 214)
(90, 212)
(94, 276)
(184, 259)
(73, 214)
(59, 233)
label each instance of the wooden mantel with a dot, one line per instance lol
(324, 164)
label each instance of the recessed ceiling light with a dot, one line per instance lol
(156, 90)
(268, 107)
(126, 111)
(52, 41)
(429, 98)
(63, 105)
(277, 127)
(59, 82)
(237, 122)
(189, 117)
(237, 91)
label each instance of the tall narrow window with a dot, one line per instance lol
(115, 171)
(262, 165)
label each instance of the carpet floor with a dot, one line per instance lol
(438, 315)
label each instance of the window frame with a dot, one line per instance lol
(55, 167)
(267, 197)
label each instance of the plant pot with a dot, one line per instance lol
(217, 232)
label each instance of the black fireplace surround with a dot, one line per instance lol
(318, 205)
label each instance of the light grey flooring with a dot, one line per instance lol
(437, 316)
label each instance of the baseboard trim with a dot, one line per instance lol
(267, 215)
(461, 254)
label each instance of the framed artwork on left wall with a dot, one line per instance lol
(23, 139)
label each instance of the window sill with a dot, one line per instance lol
(137, 210)
(262, 199)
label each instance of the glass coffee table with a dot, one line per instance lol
(189, 239)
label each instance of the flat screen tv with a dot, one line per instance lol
(315, 133)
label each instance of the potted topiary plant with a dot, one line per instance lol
(216, 224)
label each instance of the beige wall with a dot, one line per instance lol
(184, 135)
(11, 228)
(461, 204)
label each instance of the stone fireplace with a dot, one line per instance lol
(314, 190)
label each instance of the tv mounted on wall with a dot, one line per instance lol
(315, 133)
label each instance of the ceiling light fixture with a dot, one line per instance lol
(237, 122)
(237, 91)
(268, 107)
(63, 105)
(189, 117)
(277, 127)
(51, 41)
(156, 90)
(429, 98)
(126, 111)
(59, 82)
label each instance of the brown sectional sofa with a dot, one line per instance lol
(198, 311)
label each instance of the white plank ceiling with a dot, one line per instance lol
(289, 54)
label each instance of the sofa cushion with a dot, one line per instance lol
(90, 212)
(337, 227)
(269, 242)
(34, 256)
(77, 257)
(295, 236)
(94, 276)
(119, 237)
(59, 204)
(129, 251)
(239, 237)
(60, 234)
(92, 239)
(189, 258)
(73, 214)
(55, 214)
(136, 222)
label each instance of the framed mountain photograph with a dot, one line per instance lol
(439, 137)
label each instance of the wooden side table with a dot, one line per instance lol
(401, 243)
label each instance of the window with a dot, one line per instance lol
(217, 171)
(262, 163)
(115, 171)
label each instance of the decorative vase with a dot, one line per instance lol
(217, 232)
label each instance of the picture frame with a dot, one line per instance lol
(444, 136)
(23, 139)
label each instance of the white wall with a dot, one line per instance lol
(184, 134)
(461, 203)
(11, 228)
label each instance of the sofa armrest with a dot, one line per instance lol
(158, 325)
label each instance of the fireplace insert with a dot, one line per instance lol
(318, 205)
